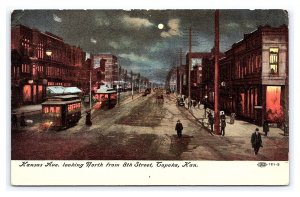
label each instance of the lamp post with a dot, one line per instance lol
(118, 88)
(205, 105)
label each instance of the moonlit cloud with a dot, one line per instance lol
(114, 45)
(233, 25)
(173, 24)
(93, 41)
(135, 58)
(135, 22)
(56, 18)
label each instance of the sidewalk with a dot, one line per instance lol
(238, 129)
(28, 109)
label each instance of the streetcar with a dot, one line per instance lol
(106, 97)
(62, 111)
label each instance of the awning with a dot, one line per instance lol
(59, 90)
(105, 90)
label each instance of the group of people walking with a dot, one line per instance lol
(222, 122)
(256, 140)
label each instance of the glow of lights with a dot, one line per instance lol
(48, 52)
(160, 26)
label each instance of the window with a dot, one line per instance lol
(274, 60)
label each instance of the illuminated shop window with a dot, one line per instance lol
(46, 110)
(27, 93)
(273, 107)
(274, 60)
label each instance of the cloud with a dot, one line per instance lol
(233, 25)
(165, 34)
(134, 58)
(114, 45)
(135, 22)
(123, 43)
(93, 41)
(159, 46)
(56, 18)
(173, 24)
(141, 60)
(102, 21)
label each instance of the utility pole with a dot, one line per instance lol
(90, 86)
(189, 73)
(118, 88)
(180, 77)
(217, 77)
(131, 85)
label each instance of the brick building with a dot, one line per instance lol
(196, 74)
(105, 69)
(254, 76)
(32, 70)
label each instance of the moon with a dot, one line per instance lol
(160, 26)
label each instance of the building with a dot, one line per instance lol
(105, 69)
(196, 74)
(254, 76)
(39, 60)
(181, 79)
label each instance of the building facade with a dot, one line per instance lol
(254, 76)
(39, 60)
(197, 86)
(105, 69)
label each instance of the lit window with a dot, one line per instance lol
(274, 60)
(52, 109)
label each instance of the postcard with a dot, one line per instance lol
(149, 97)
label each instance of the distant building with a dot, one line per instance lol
(105, 69)
(196, 74)
(181, 75)
(33, 68)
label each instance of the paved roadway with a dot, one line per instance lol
(140, 129)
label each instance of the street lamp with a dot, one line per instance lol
(205, 105)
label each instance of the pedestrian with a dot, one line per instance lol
(179, 128)
(223, 125)
(194, 103)
(256, 141)
(22, 120)
(266, 127)
(211, 121)
(14, 120)
(88, 118)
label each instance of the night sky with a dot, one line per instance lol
(134, 37)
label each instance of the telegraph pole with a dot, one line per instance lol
(217, 77)
(180, 81)
(189, 73)
(90, 86)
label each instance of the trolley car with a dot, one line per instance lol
(62, 111)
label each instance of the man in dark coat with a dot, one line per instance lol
(223, 125)
(256, 141)
(88, 120)
(22, 120)
(179, 128)
(266, 127)
(211, 121)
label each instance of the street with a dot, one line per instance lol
(140, 129)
